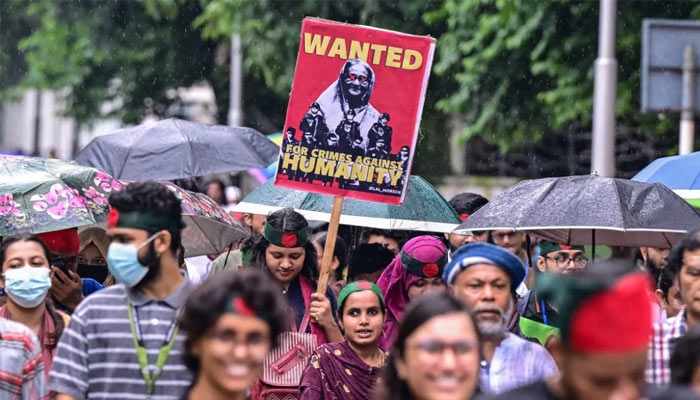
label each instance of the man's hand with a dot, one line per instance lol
(66, 290)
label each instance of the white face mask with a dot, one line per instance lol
(27, 286)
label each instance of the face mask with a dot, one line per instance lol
(123, 262)
(96, 272)
(27, 286)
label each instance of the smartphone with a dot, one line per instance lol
(60, 263)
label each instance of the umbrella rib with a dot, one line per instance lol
(253, 151)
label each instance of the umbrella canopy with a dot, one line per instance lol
(581, 210)
(41, 195)
(675, 172)
(177, 149)
(424, 209)
(209, 228)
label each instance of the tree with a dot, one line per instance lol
(525, 69)
(115, 51)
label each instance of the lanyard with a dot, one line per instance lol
(148, 378)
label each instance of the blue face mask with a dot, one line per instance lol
(123, 262)
(27, 286)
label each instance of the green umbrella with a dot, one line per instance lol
(424, 209)
(41, 195)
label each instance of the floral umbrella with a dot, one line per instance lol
(41, 195)
(209, 228)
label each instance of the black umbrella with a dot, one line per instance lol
(581, 210)
(177, 149)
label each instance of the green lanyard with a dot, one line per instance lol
(141, 353)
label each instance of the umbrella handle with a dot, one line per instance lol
(330, 245)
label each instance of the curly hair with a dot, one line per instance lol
(50, 307)
(151, 196)
(206, 304)
(285, 219)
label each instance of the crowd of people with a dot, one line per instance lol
(120, 314)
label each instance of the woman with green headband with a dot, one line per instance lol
(349, 370)
(286, 253)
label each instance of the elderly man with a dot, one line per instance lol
(485, 277)
(352, 91)
(603, 346)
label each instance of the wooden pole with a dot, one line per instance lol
(330, 245)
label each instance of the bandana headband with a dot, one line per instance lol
(287, 239)
(423, 269)
(359, 286)
(236, 304)
(144, 220)
(547, 247)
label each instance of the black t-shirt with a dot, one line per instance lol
(540, 391)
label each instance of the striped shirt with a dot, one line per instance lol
(21, 367)
(96, 357)
(516, 362)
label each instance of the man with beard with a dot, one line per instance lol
(485, 277)
(605, 320)
(466, 204)
(313, 123)
(123, 341)
(379, 136)
(654, 259)
(352, 91)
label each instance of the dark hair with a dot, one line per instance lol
(665, 281)
(467, 203)
(341, 309)
(340, 251)
(285, 219)
(50, 308)
(686, 357)
(151, 196)
(207, 303)
(416, 315)
(690, 242)
(368, 258)
(399, 236)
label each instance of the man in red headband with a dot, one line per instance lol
(466, 204)
(603, 351)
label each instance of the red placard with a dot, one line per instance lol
(353, 114)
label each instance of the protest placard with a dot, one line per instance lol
(354, 111)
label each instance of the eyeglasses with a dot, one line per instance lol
(563, 261)
(257, 343)
(360, 78)
(434, 349)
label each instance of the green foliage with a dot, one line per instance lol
(515, 71)
(116, 51)
(525, 68)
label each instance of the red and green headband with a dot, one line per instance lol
(144, 220)
(423, 269)
(359, 286)
(284, 238)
